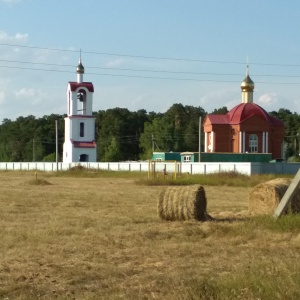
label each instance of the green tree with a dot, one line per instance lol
(220, 111)
(122, 125)
(112, 152)
(177, 130)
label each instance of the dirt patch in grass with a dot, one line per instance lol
(38, 181)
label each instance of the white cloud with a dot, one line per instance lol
(115, 62)
(18, 37)
(11, 1)
(217, 99)
(27, 91)
(2, 97)
(34, 96)
(268, 99)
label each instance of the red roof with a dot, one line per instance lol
(218, 119)
(75, 85)
(244, 111)
(84, 144)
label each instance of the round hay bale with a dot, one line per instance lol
(264, 198)
(182, 203)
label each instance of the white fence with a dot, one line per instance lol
(191, 168)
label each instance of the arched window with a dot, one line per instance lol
(81, 131)
(83, 157)
(253, 143)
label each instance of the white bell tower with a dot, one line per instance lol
(80, 144)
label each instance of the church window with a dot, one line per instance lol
(81, 133)
(253, 143)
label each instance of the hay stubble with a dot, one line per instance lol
(100, 238)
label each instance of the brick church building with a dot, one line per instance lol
(246, 128)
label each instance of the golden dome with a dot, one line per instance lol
(80, 68)
(247, 83)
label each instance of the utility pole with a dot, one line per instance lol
(200, 121)
(33, 150)
(152, 143)
(56, 142)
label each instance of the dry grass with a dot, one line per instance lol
(101, 238)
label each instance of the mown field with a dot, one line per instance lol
(99, 237)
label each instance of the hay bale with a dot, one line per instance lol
(264, 198)
(182, 203)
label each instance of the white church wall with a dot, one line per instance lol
(89, 123)
(192, 168)
(73, 103)
(89, 104)
(91, 152)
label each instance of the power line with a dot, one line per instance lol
(150, 57)
(36, 69)
(147, 77)
(146, 70)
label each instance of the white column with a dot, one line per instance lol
(205, 142)
(79, 77)
(267, 142)
(244, 137)
(240, 142)
(212, 141)
(263, 150)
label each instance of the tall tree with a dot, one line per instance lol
(125, 127)
(177, 130)
(220, 111)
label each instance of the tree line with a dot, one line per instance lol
(123, 135)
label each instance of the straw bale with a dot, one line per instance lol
(264, 198)
(182, 203)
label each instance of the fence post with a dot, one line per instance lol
(288, 196)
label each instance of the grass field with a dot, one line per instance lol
(99, 237)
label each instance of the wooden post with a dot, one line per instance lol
(175, 166)
(287, 197)
(199, 150)
(56, 144)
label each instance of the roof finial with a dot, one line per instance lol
(80, 67)
(247, 69)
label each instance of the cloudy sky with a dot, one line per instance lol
(148, 54)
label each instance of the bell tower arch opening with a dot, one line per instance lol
(81, 103)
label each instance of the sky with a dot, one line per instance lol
(148, 54)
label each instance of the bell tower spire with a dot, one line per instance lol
(80, 70)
